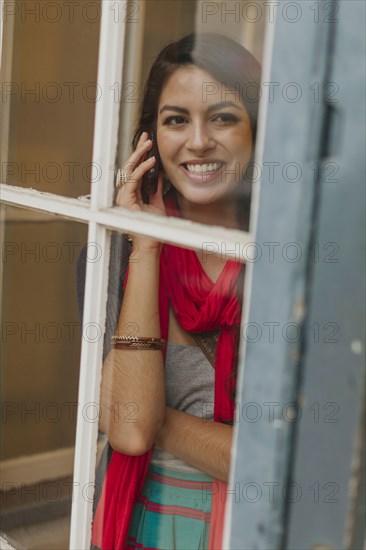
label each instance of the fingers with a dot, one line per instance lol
(136, 167)
(143, 167)
(129, 194)
(142, 147)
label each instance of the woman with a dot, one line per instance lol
(200, 109)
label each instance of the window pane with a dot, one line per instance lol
(49, 71)
(39, 370)
(206, 157)
(184, 380)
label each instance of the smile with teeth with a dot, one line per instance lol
(204, 168)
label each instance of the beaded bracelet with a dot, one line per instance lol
(136, 342)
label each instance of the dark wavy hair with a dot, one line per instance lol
(226, 60)
(235, 67)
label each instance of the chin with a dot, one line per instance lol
(203, 198)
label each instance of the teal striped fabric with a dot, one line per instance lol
(173, 511)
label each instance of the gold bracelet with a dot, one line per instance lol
(136, 342)
(117, 338)
(136, 345)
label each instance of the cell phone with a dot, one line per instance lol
(150, 179)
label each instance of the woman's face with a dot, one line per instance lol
(203, 135)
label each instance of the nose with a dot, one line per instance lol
(199, 138)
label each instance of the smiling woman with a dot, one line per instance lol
(201, 101)
(191, 155)
(205, 146)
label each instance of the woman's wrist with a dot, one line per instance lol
(145, 246)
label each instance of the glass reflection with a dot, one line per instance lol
(169, 373)
(40, 356)
(198, 107)
(49, 94)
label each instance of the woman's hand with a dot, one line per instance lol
(129, 195)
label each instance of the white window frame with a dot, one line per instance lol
(101, 217)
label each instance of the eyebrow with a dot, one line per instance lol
(211, 108)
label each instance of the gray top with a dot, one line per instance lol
(189, 387)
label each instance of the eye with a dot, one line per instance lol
(174, 120)
(225, 118)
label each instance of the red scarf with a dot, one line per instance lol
(200, 306)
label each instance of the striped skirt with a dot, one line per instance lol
(173, 511)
